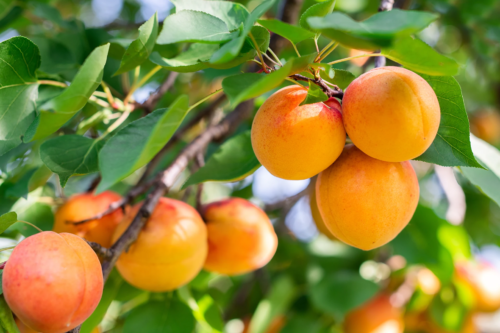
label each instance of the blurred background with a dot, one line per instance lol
(313, 281)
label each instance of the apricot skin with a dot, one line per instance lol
(391, 114)
(375, 316)
(53, 282)
(366, 202)
(316, 215)
(482, 279)
(241, 237)
(86, 205)
(296, 142)
(170, 250)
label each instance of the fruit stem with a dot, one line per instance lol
(358, 56)
(259, 53)
(324, 50)
(295, 48)
(31, 224)
(326, 54)
(109, 96)
(275, 56)
(140, 83)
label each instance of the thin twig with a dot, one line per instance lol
(321, 83)
(154, 98)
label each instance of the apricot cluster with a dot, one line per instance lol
(366, 193)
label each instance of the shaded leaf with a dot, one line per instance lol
(171, 316)
(233, 161)
(6, 220)
(451, 147)
(20, 188)
(18, 89)
(138, 142)
(67, 155)
(262, 37)
(193, 59)
(39, 214)
(377, 31)
(339, 77)
(141, 48)
(194, 27)
(5, 7)
(292, 33)
(320, 9)
(314, 95)
(56, 112)
(233, 14)
(420, 57)
(6, 317)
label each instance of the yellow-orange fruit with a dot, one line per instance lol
(296, 142)
(485, 124)
(376, 316)
(483, 279)
(170, 250)
(316, 215)
(241, 237)
(366, 202)
(23, 328)
(52, 282)
(275, 326)
(391, 114)
(358, 61)
(84, 206)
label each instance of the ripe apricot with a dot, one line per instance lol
(391, 114)
(485, 124)
(84, 206)
(316, 215)
(241, 237)
(170, 250)
(52, 282)
(23, 328)
(483, 279)
(376, 316)
(366, 202)
(296, 142)
(358, 61)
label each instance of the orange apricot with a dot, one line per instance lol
(483, 280)
(376, 316)
(241, 237)
(170, 250)
(52, 282)
(485, 124)
(366, 202)
(316, 215)
(358, 61)
(23, 328)
(84, 206)
(391, 114)
(296, 142)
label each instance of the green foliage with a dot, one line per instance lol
(6, 317)
(314, 95)
(6, 220)
(293, 33)
(317, 10)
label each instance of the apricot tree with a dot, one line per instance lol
(131, 156)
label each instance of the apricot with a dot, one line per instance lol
(376, 316)
(391, 114)
(241, 237)
(316, 215)
(23, 328)
(485, 124)
(366, 202)
(483, 280)
(84, 206)
(358, 61)
(170, 250)
(296, 142)
(52, 282)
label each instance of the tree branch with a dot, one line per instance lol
(385, 5)
(154, 98)
(337, 92)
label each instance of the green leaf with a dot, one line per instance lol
(141, 48)
(56, 112)
(20, 188)
(419, 243)
(171, 316)
(56, 58)
(377, 31)
(6, 220)
(488, 181)
(18, 89)
(451, 147)
(339, 77)
(67, 155)
(314, 95)
(108, 295)
(233, 161)
(6, 317)
(194, 27)
(320, 9)
(138, 142)
(195, 58)
(242, 87)
(231, 49)
(233, 14)
(38, 214)
(262, 37)
(293, 33)
(5, 7)
(205, 310)
(340, 292)
(416, 55)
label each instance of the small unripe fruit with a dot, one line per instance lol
(376, 316)
(296, 142)
(391, 114)
(84, 206)
(366, 202)
(170, 250)
(52, 282)
(484, 281)
(241, 237)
